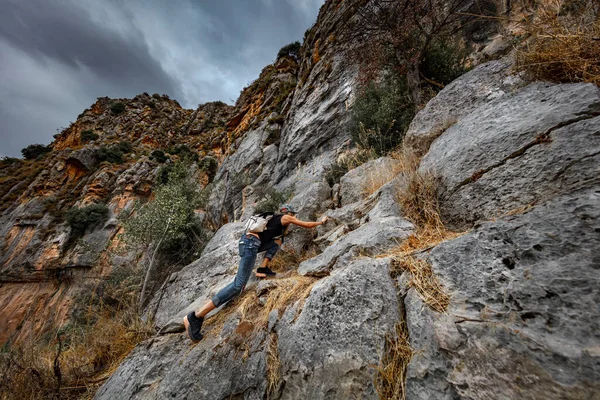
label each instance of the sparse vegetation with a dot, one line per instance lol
(345, 162)
(159, 156)
(271, 199)
(85, 218)
(88, 135)
(167, 224)
(407, 32)
(124, 147)
(74, 360)
(15, 177)
(184, 152)
(290, 50)
(35, 151)
(117, 108)
(381, 114)
(563, 43)
(209, 165)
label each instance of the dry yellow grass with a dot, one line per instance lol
(273, 366)
(563, 42)
(390, 380)
(376, 179)
(87, 358)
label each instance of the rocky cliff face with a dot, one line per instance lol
(517, 170)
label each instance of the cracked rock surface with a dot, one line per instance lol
(516, 151)
(523, 319)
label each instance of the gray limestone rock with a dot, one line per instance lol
(484, 83)
(517, 151)
(171, 367)
(523, 321)
(330, 350)
(354, 185)
(380, 227)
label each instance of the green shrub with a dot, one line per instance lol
(88, 135)
(290, 50)
(184, 152)
(444, 61)
(157, 96)
(117, 108)
(159, 156)
(124, 147)
(381, 114)
(8, 160)
(33, 151)
(89, 217)
(210, 166)
(110, 154)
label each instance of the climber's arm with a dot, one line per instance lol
(289, 219)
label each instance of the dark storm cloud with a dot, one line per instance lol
(66, 33)
(57, 56)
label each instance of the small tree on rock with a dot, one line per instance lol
(167, 218)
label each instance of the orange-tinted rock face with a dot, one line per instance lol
(75, 170)
(17, 240)
(26, 309)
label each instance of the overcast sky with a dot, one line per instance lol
(58, 56)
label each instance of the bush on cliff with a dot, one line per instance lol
(89, 217)
(209, 165)
(34, 151)
(159, 156)
(117, 108)
(381, 114)
(88, 135)
(290, 50)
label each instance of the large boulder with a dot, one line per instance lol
(483, 84)
(517, 151)
(330, 350)
(523, 317)
(171, 367)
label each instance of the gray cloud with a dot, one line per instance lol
(57, 56)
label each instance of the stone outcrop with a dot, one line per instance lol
(522, 322)
(486, 82)
(517, 151)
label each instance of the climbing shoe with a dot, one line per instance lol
(265, 272)
(193, 325)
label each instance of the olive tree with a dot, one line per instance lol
(167, 218)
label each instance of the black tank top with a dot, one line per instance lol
(274, 229)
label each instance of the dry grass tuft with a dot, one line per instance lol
(377, 179)
(289, 260)
(273, 365)
(425, 283)
(563, 43)
(419, 201)
(390, 380)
